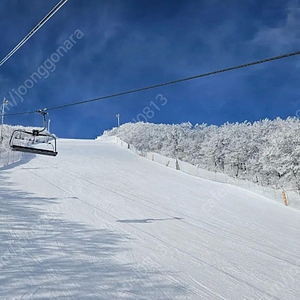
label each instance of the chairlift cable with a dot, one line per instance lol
(164, 84)
(33, 31)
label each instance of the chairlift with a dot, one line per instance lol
(26, 141)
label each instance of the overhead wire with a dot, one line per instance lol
(163, 84)
(33, 31)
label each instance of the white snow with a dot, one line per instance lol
(99, 222)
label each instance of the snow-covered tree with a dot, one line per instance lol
(266, 152)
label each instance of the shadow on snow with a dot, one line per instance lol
(43, 256)
(144, 221)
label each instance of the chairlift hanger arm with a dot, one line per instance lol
(43, 113)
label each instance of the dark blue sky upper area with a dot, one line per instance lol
(130, 44)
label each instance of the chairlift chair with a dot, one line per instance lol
(26, 141)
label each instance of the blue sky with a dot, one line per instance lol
(130, 44)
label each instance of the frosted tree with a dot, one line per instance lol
(266, 152)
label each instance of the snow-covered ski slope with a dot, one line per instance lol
(98, 222)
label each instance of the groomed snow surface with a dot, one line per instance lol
(99, 222)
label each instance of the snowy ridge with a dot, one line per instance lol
(177, 164)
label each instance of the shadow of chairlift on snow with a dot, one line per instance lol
(35, 141)
(144, 221)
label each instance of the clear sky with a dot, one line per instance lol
(95, 48)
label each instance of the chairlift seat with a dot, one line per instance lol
(33, 150)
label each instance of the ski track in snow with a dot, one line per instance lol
(98, 222)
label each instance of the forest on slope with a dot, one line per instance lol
(266, 152)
